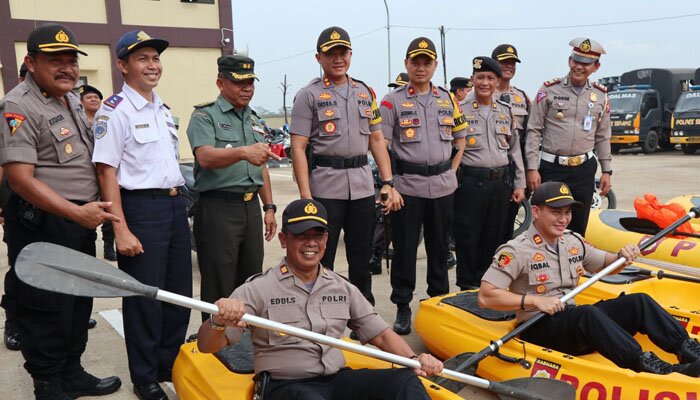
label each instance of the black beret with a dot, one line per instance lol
(85, 89)
(460, 83)
(483, 64)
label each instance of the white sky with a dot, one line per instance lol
(281, 37)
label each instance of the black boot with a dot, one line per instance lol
(84, 384)
(689, 351)
(451, 260)
(375, 263)
(109, 252)
(92, 323)
(49, 389)
(11, 337)
(690, 369)
(650, 362)
(402, 325)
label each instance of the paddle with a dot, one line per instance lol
(660, 274)
(683, 269)
(59, 269)
(491, 349)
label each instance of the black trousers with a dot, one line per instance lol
(434, 216)
(608, 327)
(53, 326)
(229, 239)
(108, 234)
(356, 219)
(155, 330)
(581, 181)
(349, 384)
(480, 222)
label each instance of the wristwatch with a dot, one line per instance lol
(389, 182)
(272, 207)
(608, 172)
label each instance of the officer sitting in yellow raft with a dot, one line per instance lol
(302, 293)
(531, 272)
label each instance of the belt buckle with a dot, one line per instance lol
(574, 161)
(493, 174)
(172, 192)
(248, 196)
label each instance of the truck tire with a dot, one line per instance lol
(666, 144)
(651, 143)
(688, 148)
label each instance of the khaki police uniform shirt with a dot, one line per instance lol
(337, 126)
(422, 133)
(220, 125)
(519, 105)
(492, 142)
(527, 265)
(38, 129)
(557, 122)
(332, 305)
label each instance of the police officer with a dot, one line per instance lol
(568, 128)
(481, 217)
(421, 121)
(507, 57)
(230, 172)
(300, 292)
(336, 117)
(460, 87)
(90, 98)
(136, 153)
(401, 80)
(531, 272)
(45, 148)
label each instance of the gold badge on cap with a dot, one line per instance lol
(564, 189)
(141, 36)
(69, 148)
(477, 63)
(335, 35)
(510, 49)
(62, 37)
(310, 209)
(585, 46)
(423, 44)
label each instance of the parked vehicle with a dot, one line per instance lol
(685, 122)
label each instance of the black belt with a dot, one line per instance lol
(226, 195)
(172, 192)
(490, 174)
(340, 162)
(403, 167)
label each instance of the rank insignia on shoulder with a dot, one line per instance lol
(504, 259)
(552, 82)
(284, 269)
(600, 87)
(206, 103)
(537, 239)
(113, 101)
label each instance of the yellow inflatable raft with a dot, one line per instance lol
(453, 324)
(203, 376)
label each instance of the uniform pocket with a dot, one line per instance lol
(474, 141)
(328, 119)
(411, 129)
(446, 124)
(541, 280)
(504, 138)
(290, 315)
(336, 317)
(365, 117)
(226, 136)
(64, 143)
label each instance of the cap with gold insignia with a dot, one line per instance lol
(401, 80)
(554, 194)
(303, 214)
(504, 52)
(586, 50)
(485, 64)
(332, 37)
(237, 67)
(53, 38)
(421, 45)
(460, 83)
(85, 89)
(134, 40)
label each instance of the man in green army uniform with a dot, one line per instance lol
(230, 174)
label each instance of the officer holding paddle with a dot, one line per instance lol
(531, 272)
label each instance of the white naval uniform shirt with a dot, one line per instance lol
(139, 139)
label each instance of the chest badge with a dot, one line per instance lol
(471, 141)
(559, 115)
(329, 113)
(448, 121)
(594, 97)
(518, 99)
(363, 95)
(405, 122)
(69, 148)
(65, 131)
(542, 277)
(407, 104)
(540, 289)
(325, 96)
(410, 133)
(330, 127)
(538, 257)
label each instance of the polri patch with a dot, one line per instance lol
(504, 259)
(14, 120)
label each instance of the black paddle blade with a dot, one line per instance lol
(59, 269)
(454, 363)
(540, 388)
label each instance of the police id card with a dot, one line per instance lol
(587, 123)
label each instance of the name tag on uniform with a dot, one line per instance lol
(142, 126)
(224, 126)
(587, 123)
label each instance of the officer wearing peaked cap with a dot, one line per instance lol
(401, 80)
(569, 128)
(136, 154)
(299, 291)
(45, 149)
(486, 188)
(530, 274)
(335, 121)
(231, 176)
(423, 123)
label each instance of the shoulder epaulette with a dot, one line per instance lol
(443, 89)
(600, 87)
(374, 95)
(166, 106)
(521, 91)
(552, 82)
(113, 101)
(258, 275)
(503, 103)
(205, 104)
